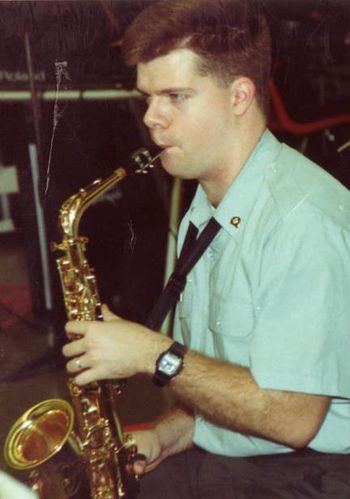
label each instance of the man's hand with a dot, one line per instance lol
(148, 444)
(114, 348)
(172, 433)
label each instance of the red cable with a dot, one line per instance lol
(296, 128)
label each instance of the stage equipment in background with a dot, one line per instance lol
(8, 185)
(44, 259)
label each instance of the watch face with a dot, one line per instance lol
(169, 364)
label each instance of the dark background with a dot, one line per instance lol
(128, 229)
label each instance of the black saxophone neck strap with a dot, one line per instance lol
(192, 249)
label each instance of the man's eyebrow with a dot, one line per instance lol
(167, 91)
(142, 92)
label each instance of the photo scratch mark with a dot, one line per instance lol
(62, 76)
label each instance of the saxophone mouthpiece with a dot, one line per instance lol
(145, 160)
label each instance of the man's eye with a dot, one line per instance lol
(178, 97)
(145, 98)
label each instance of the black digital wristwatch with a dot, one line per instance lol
(169, 364)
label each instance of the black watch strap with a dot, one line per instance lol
(178, 349)
(161, 377)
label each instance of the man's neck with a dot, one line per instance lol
(244, 144)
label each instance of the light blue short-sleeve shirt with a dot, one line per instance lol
(272, 291)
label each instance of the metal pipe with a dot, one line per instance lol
(71, 95)
(40, 219)
(35, 102)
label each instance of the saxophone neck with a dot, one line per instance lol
(74, 207)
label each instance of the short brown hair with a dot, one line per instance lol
(231, 37)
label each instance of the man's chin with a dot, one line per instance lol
(174, 162)
(177, 169)
(170, 159)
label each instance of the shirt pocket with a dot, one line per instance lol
(231, 323)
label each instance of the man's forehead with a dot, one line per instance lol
(177, 68)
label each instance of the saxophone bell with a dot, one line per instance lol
(42, 444)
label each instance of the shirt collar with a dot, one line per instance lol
(233, 210)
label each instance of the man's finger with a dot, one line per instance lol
(86, 377)
(77, 364)
(139, 467)
(73, 348)
(76, 327)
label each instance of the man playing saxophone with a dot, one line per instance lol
(259, 357)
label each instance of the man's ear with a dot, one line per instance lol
(242, 94)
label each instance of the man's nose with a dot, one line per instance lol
(156, 116)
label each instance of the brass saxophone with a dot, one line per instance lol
(78, 451)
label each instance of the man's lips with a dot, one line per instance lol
(162, 145)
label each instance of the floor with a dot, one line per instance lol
(27, 375)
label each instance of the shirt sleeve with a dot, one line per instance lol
(301, 338)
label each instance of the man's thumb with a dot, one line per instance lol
(108, 315)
